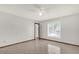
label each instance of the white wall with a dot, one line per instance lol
(69, 30)
(14, 29)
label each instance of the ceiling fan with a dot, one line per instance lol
(40, 10)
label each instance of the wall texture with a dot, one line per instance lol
(15, 29)
(69, 29)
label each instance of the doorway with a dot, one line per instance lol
(36, 30)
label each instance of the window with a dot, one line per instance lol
(54, 29)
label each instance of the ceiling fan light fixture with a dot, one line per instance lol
(40, 14)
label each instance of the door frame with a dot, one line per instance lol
(38, 30)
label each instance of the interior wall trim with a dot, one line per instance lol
(16, 43)
(60, 42)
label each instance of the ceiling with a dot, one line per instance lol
(32, 11)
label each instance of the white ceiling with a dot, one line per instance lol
(31, 11)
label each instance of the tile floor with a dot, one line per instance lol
(40, 47)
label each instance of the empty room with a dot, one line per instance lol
(39, 28)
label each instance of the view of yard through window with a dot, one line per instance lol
(54, 29)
